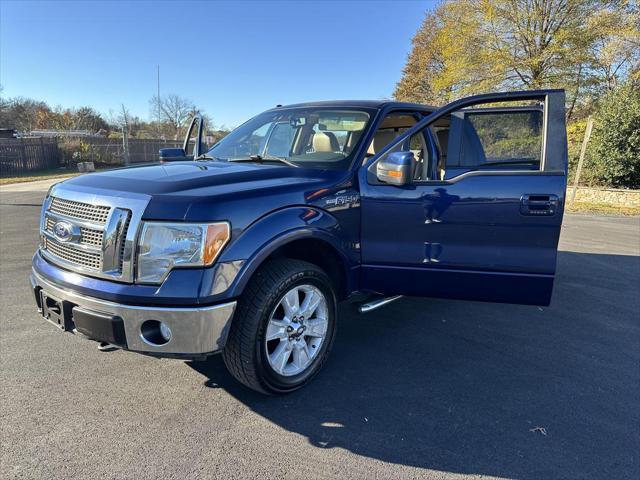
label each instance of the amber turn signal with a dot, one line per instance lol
(218, 235)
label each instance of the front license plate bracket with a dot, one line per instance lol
(56, 311)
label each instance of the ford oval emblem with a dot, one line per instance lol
(63, 231)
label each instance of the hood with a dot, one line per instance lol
(179, 177)
(201, 190)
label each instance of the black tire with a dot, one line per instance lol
(245, 353)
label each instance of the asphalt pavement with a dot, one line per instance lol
(422, 388)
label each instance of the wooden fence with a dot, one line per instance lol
(21, 155)
(107, 151)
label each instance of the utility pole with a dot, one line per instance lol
(158, 101)
(125, 135)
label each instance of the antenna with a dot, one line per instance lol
(158, 97)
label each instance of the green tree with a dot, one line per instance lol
(615, 44)
(613, 156)
(423, 66)
(472, 46)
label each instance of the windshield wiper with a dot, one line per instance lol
(265, 158)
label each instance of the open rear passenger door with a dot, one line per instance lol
(483, 222)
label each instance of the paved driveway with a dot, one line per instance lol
(420, 389)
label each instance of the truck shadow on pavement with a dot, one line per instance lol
(475, 388)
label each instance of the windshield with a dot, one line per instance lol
(310, 137)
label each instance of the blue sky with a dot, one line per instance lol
(233, 59)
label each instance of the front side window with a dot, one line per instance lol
(505, 138)
(476, 139)
(310, 137)
(488, 139)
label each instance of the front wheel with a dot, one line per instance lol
(283, 328)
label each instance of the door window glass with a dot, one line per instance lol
(421, 154)
(501, 139)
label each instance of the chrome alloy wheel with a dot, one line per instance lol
(296, 329)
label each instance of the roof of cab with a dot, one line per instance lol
(378, 104)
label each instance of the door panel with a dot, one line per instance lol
(474, 225)
(482, 235)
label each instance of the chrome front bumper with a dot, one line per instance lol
(195, 331)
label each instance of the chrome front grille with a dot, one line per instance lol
(83, 211)
(90, 260)
(88, 238)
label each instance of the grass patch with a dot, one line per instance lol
(604, 208)
(43, 175)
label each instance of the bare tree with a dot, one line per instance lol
(174, 111)
(86, 118)
(123, 120)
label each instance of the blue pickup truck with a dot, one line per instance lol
(246, 247)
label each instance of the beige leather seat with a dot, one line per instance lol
(352, 140)
(380, 140)
(325, 142)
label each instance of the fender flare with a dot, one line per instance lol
(276, 230)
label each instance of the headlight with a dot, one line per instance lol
(164, 246)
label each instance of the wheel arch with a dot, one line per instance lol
(290, 234)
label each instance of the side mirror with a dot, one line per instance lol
(396, 168)
(173, 155)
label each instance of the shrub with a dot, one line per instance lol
(613, 154)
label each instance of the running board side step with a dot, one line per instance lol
(380, 302)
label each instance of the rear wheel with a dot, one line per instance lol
(283, 328)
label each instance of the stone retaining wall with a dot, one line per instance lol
(609, 196)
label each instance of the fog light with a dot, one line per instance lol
(165, 331)
(155, 333)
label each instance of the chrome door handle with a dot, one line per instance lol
(538, 204)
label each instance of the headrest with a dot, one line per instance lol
(380, 140)
(325, 142)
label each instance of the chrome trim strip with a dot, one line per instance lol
(112, 240)
(375, 304)
(58, 217)
(195, 330)
(45, 206)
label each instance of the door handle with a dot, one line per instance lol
(538, 204)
